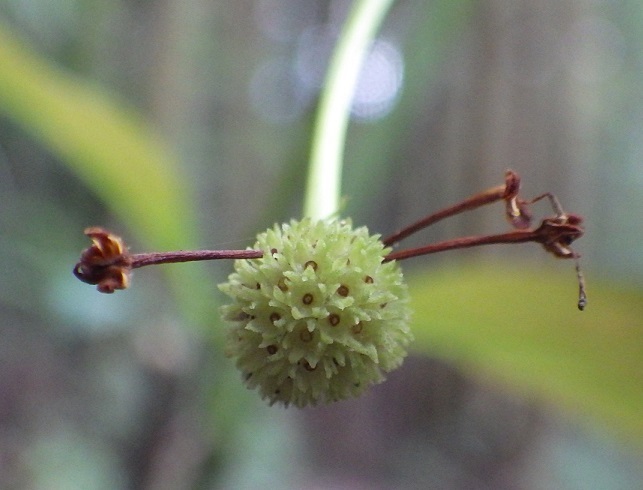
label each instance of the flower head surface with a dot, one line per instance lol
(320, 317)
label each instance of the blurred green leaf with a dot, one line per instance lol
(521, 326)
(104, 142)
(109, 146)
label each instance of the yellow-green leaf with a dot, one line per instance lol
(520, 326)
(106, 144)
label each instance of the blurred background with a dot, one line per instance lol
(187, 123)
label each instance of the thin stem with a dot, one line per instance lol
(155, 258)
(487, 197)
(582, 295)
(553, 200)
(519, 236)
(323, 189)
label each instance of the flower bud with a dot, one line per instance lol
(320, 316)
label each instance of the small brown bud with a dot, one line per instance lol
(106, 264)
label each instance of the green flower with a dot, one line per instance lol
(320, 317)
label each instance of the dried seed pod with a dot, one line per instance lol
(106, 264)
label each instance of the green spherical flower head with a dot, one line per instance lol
(320, 317)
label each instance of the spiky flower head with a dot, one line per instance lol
(320, 317)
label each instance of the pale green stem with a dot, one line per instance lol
(323, 189)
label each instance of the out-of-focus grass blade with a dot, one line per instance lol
(106, 144)
(521, 326)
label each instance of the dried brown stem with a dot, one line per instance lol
(519, 236)
(507, 192)
(108, 264)
(156, 258)
(487, 197)
(554, 234)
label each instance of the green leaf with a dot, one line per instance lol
(520, 326)
(103, 141)
(107, 145)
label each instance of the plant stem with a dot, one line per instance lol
(519, 236)
(323, 188)
(156, 258)
(482, 199)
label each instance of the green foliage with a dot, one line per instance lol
(107, 145)
(520, 326)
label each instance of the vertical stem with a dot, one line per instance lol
(323, 188)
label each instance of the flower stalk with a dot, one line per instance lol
(108, 263)
(323, 188)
